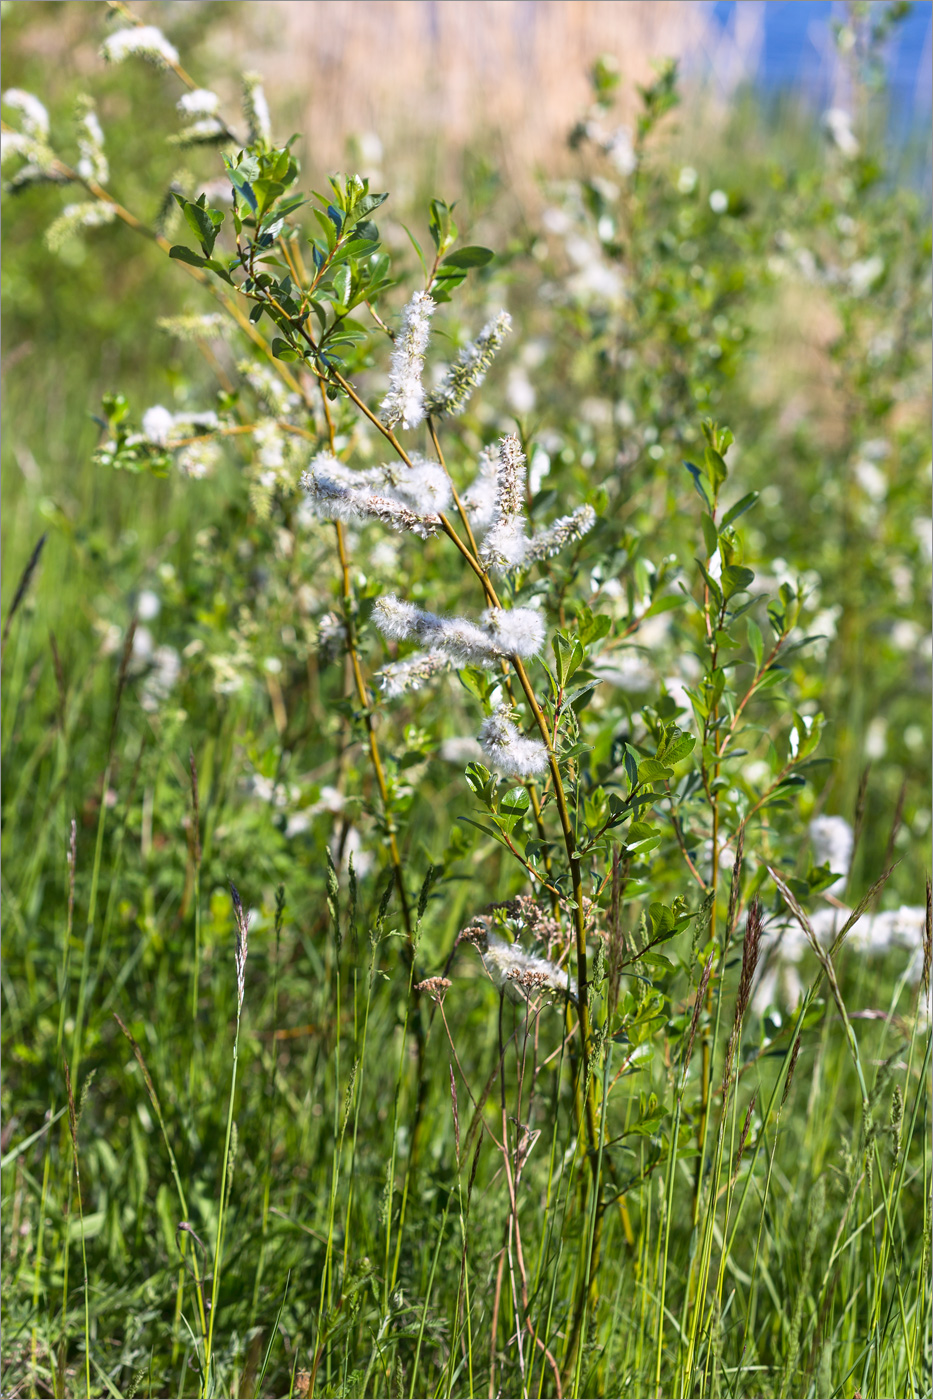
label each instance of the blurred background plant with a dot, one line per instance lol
(179, 709)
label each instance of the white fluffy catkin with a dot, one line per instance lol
(506, 544)
(469, 369)
(508, 749)
(502, 633)
(405, 401)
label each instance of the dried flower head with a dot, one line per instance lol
(790, 1071)
(435, 987)
(697, 1009)
(522, 974)
(751, 948)
(743, 1139)
(405, 401)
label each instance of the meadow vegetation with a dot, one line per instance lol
(465, 738)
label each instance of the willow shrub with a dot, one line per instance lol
(468, 666)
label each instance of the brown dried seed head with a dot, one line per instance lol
(790, 1070)
(697, 1008)
(434, 986)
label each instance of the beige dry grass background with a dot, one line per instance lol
(423, 74)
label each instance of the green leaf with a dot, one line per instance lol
(219, 269)
(267, 192)
(569, 654)
(679, 746)
(710, 534)
(711, 583)
(240, 182)
(417, 247)
(668, 603)
(755, 642)
(739, 508)
(475, 681)
(512, 808)
(482, 826)
(443, 228)
(477, 775)
(736, 579)
(469, 257)
(701, 487)
(282, 350)
(185, 255)
(650, 770)
(327, 225)
(203, 223)
(716, 469)
(342, 279)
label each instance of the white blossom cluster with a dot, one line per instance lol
(785, 946)
(93, 164)
(412, 673)
(410, 498)
(268, 387)
(336, 492)
(34, 118)
(144, 41)
(838, 124)
(546, 543)
(469, 369)
(199, 460)
(331, 635)
(833, 840)
(209, 325)
(74, 218)
(160, 424)
(201, 102)
(161, 679)
(405, 401)
(519, 631)
(507, 748)
(506, 543)
(423, 485)
(522, 975)
(256, 109)
(31, 144)
(203, 132)
(494, 501)
(479, 498)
